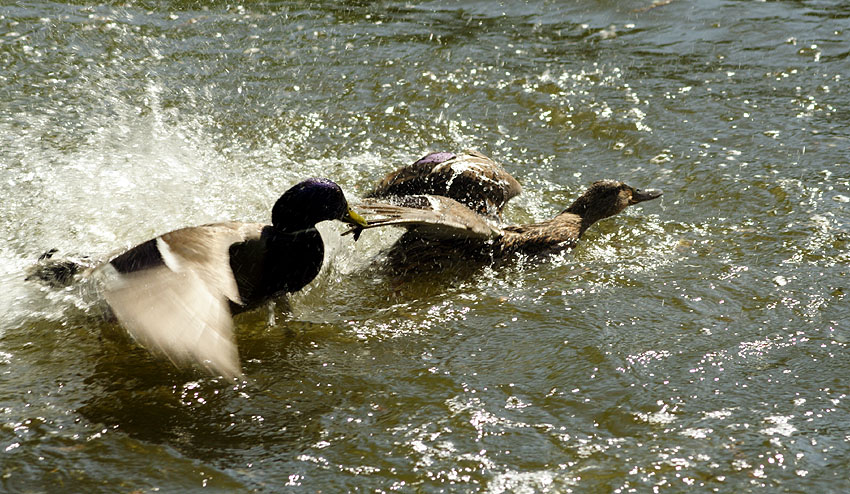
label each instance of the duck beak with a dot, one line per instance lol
(357, 223)
(353, 218)
(640, 195)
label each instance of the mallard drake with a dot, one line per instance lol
(175, 293)
(445, 221)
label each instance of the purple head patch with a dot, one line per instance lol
(436, 158)
(319, 183)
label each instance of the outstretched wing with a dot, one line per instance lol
(172, 294)
(431, 216)
(469, 178)
(178, 316)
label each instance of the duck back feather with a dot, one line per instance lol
(471, 178)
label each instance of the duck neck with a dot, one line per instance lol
(559, 233)
(289, 231)
(577, 224)
(283, 238)
(297, 260)
(580, 213)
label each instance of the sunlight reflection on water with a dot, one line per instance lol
(692, 342)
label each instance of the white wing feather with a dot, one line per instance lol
(180, 309)
(176, 314)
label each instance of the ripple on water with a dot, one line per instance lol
(692, 343)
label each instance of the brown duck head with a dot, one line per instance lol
(606, 198)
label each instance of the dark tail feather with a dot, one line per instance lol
(54, 272)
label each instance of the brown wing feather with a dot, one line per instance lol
(432, 216)
(470, 178)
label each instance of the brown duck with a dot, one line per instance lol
(451, 206)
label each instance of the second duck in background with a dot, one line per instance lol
(452, 204)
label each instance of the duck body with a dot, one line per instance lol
(472, 179)
(445, 223)
(176, 293)
(259, 281)
(264, 263)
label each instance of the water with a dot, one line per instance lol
(696, 342)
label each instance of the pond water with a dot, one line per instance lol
(694, 342)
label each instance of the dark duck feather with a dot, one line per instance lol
(446, 222)
(175, 293)
(471, 179)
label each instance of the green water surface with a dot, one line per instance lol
(692, 344)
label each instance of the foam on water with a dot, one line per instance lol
(16, 295)
(133, 169)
